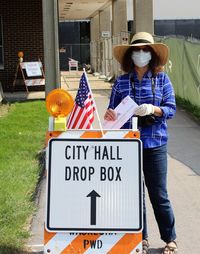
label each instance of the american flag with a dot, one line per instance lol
(82, 114)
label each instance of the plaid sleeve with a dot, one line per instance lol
(115, 97)
(168, 105)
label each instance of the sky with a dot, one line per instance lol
(176, 9)
(172, 9)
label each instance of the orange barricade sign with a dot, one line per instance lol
(29, 74)
(94, 199)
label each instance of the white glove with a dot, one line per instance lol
(144, 109)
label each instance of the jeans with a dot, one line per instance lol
(155, 176)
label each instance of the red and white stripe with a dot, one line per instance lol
(34, 82)
(82, 118)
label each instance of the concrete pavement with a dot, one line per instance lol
(184, 140)
(183, 180)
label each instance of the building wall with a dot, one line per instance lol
(95, 28)
(22, 31)
(143, 8)
(119, 17)
(105, 19)
(94, 38)
(182, 27)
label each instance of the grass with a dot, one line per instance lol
(4, 108)
(22, 136)
(190, 108)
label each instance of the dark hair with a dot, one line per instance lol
(154, 64)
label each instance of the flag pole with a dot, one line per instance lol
(99, 121)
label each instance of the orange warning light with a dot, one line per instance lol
(59, 103)
(20, 54)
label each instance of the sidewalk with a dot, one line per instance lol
(183, 182)
(69, 82)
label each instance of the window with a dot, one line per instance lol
(1, 44)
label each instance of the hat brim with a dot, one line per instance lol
(160, 49)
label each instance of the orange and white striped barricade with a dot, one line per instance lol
(30, 73)
(35, 82)
(94, 193)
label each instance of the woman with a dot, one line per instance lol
(147, 84)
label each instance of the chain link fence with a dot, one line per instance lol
(101, 55)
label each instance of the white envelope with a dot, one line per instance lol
(124, 111)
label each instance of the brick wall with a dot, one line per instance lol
(22, 31)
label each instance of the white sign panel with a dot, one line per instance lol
(94, 185)
(105, 34)
(33, 69)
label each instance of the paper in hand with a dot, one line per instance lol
(124, 111)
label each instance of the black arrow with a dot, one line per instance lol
(93, 194)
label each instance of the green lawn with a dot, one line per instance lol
(22, 136)
(190, 108)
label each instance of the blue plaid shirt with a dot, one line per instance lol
(141, 92)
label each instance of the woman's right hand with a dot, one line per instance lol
(110, 115)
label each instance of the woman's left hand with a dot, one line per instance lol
(148, 109)
(144, 109)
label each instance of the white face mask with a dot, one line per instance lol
(141, 58)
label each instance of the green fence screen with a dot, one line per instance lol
(183, 68)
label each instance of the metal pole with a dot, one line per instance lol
(51, 45)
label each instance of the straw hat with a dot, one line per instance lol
(143, 39)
